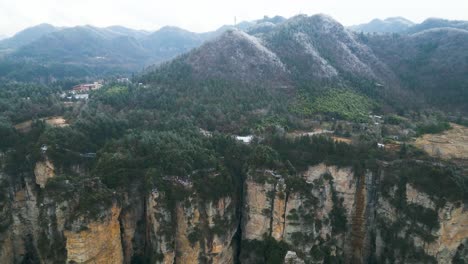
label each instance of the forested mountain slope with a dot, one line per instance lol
(297, 142)
(46, 52)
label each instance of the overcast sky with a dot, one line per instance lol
(205, 15)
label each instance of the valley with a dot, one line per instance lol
(276, 141)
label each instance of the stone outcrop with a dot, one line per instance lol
(160, 229)
(192, 231)
(43, 171)
(25, 226)
(257, 209)
(99, 242)
(303, 218)
(278, 211)
(451, 234)
(7, 253)
(221, 249)
(292, 258)
(416, 197)
(187, 224)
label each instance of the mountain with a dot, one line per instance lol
(46, 52)
(27, 36)
(304, 51)
(389, 25)
(295, 48)
(404, 26)
(431, 63)
(85, 51)
(304, 57)
(318, 47)
(235, 55)
(432, 23)
(138, 34)
(83, 44)
(169, 42)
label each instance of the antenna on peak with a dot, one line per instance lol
(235, 21)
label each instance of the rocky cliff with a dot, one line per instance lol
(325, 213)
(193, 230)
(97, 242)
(340, 215)
(43, 171)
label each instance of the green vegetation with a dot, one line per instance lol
(266, 251)
(432, 128)
(443, 183)
(23, 101)
(86, 197)
(338, 213)
(395, 119)
(194, 236)
(339, 103)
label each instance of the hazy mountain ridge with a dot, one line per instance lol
(388, 25)
(101, 50)
(27, 36)
(431, 63)
(404, 26)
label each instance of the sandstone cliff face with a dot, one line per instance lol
(43, 171)
(303, 218)
(25, 227)
(7, 254)
(416, 197)
(221, 248)
(160, 229)
(132, 225)
(98, 243)
(452, 233)
(187, 224)
(257, 209)
(453, 230)
(193, 230)
(444, 241)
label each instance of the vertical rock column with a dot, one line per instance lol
(99, 243)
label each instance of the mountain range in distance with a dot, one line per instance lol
(47, 53)
(405, 26)
(83, 51)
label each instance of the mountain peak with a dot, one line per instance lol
(388, 25)
(320, 22)
(235, 35)
(399, 20)
(171, 29)
(236, 55)
(27, 36)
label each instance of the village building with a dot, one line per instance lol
(246, 139)
(80, 88)
(123, 80)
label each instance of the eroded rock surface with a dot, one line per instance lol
(100, 242)
(43, 171)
